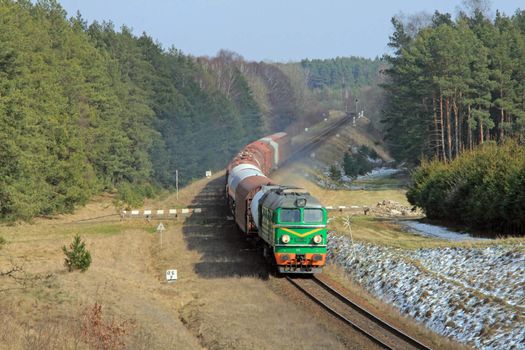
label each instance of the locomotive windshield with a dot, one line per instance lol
(313, 215)
(290, 215)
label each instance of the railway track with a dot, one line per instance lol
(311, 143)
(378, 331)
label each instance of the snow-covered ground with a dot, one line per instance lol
(474, 295)
(374, 174)
(378, 173)
(436, 231)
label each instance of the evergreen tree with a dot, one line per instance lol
(454, 84)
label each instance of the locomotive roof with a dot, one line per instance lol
(285, 198)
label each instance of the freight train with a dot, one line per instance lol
(287, 222)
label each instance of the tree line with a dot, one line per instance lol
(454, 84)
(341, 72)
(86, 108)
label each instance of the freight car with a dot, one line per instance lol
(287, 222)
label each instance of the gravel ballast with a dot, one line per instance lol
(473, 295)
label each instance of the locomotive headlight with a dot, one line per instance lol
(300, 202)
(285, 239)
(318, 239)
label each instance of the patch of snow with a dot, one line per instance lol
(379, 173)
(376, 161)
(437, 231)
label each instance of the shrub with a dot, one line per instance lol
(77, 257)
(102, 333)
(356, 164)
(2, 242)
(482, 188)
(131, 195)
(335, 172)
(367, 151)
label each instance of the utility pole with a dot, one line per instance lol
(344, 96)
(177, 182)
(355, 115)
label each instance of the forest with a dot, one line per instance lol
(454, 84)
(86, 108)
(455, 105)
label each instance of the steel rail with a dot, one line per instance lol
(371, 316)
(338, 315)
(318, 138)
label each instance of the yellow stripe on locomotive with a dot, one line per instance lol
(293, 223)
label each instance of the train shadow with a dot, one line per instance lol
(224, 251)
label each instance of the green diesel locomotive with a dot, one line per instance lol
(292, 225)
(288, 222)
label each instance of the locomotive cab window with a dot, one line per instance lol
(313, 215)
(290, 215)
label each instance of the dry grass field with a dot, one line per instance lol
(45, 307)
(221, 300)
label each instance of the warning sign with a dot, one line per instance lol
(171, 275)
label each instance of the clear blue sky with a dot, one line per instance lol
(276, 30)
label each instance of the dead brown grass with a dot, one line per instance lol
(390, 232)
(45, 313)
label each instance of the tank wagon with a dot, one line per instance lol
(287, 222)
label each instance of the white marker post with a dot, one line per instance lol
(161, 229)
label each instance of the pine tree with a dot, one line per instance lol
(77, 256)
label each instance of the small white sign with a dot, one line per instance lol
(208, 173)
(161, 228)
(171, 275)
(147, 212)
(173, 211)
